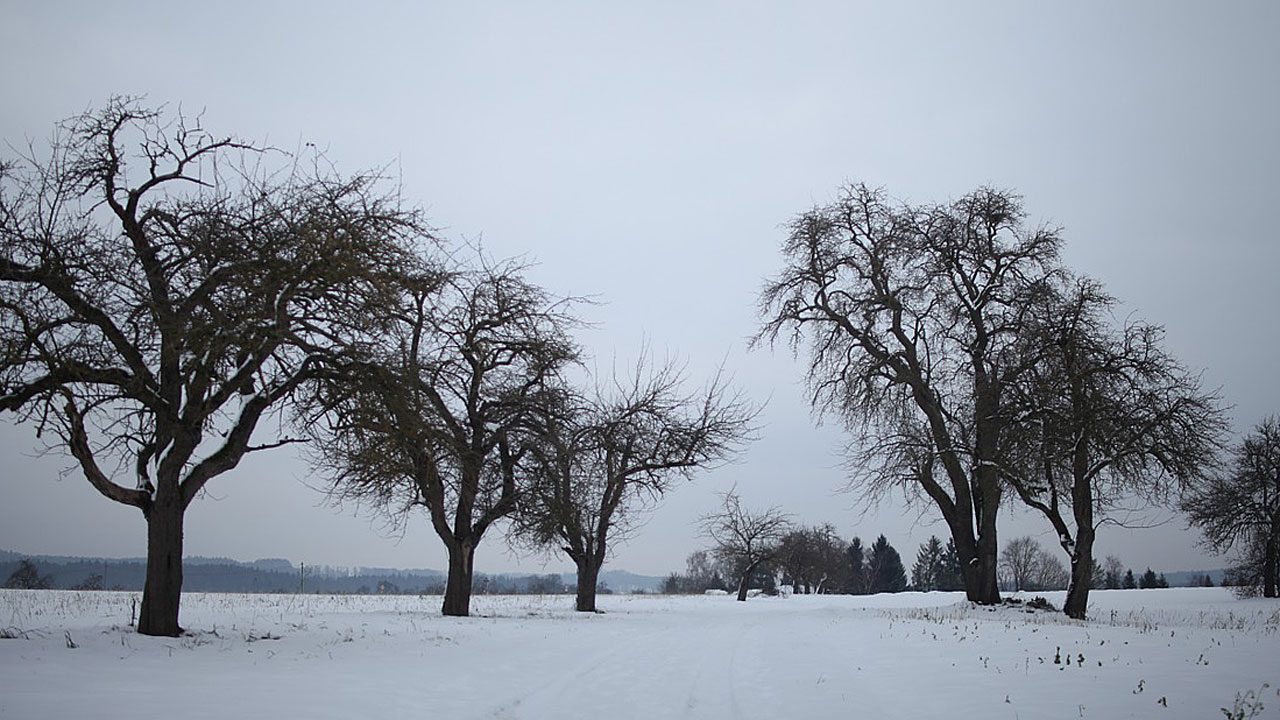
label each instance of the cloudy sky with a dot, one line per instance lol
(648, 153)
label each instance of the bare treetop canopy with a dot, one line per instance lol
(910, 316)
(162, 288)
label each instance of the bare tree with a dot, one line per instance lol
(605, 457)
(1110, 419)
(813, 559)
(1027, 566)
(437, 411)
(744, 539)
(161, 290)
(909, 315)
(1018, 561)
(1112, 572)
(1241, 508)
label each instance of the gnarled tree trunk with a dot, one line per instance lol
(588, 578)
(978, 561)
(1077, 603)
(1269, 561)
(457, 589)
(163, 590)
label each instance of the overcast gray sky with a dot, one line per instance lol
(648, 152)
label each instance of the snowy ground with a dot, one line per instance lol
(1179, 653)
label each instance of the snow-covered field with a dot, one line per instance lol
(1179, 653)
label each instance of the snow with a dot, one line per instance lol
(904, 655)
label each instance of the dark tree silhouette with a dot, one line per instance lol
(744, 539)
(27, 577)
(1240, 508)
(1151, 581)
(885, 569)
(161, 291)
(856, 563)
(813, 560)
(437, 410)
(909, 315)
(1111, 419)
(600, 459)
(952, 577)
(927, 573)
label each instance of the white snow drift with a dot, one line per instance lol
(1180, 653)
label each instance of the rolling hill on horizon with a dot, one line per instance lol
(221, 574)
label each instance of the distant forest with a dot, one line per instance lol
(281, 576)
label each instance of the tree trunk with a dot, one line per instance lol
(984, 589)
(1077, 603)
(163, 590)
(978, 562)
(588, 576)
(745, 580)
(1269, 558)
(457, 589)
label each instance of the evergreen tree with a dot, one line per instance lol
(858, 584)
(1148, 580)
(1129, 583)
(952, 576)
(926, 575)
(885, 568)
(1098, 579)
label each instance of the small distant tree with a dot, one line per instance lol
(744, 539)
(1027, 566)
(702, 573)
(811, 559)
(673, 584)
(1113, 572)
(27, 577)
(1149, 580)
(549, 584)
(93, 582)
(1018, 562)
(1240, 509)
(927, 573)
(1052, 573)
(1129, 583)
(885, 568)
